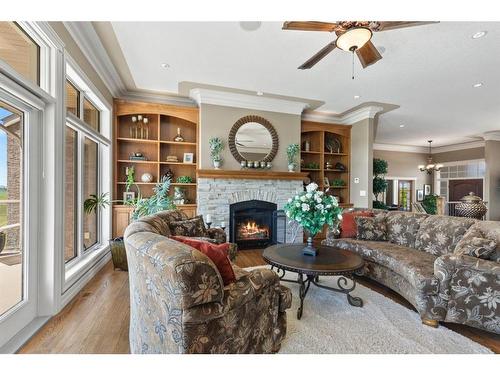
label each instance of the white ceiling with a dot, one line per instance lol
(427, 70)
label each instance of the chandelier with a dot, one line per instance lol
(430, 167)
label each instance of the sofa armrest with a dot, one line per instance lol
(257, 282)
(217, 234)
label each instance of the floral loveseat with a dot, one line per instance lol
(422, 259)
(179, 304)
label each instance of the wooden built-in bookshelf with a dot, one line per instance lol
(164, 120)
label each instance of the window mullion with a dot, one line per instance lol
(79, 200)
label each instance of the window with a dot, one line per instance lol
(20, 51)
(90, 187)
(70, 191)
(90, 115)
(72, 99)
(87, 154)
(11, 207)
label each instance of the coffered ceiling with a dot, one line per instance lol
(428, 71)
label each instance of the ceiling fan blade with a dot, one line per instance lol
(318, 56)
(309, 26)
(368, 54)
(392, 25)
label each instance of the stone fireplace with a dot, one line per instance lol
(224, 193)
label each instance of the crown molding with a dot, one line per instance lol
(458, 147)
(349, 118)
(425, 150)
(158, 98)
(262, 103)
(492, 136)
(89, 42)
(400, 148)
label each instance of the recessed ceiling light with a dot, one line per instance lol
(357, 96)
(165, 65)
(476, 85)
(402, 125)
(260, 93)
(479, 34)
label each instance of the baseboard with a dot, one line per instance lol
(15, 343)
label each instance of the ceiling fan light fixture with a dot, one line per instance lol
(354, 38)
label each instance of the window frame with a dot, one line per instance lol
(76, 266)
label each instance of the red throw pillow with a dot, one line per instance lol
(348, 227)
(217, 254)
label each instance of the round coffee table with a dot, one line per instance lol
(330, 261)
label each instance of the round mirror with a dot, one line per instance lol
(253, 138)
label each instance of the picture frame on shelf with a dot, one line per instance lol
(427, 189)
(420, 195)
(128, 195)
(326, 182)
(188, 158)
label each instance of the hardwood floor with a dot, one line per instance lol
(96, 321)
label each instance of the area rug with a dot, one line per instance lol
(330, 325)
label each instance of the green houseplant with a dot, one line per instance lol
(380, 167)
(312, 209)
(216, 146)
(159, 201)
(291, 153)
(430, 204)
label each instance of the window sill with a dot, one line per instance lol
(76, 270)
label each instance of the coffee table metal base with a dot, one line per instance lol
(343, 283)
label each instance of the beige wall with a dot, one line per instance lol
(76, 53)
(216, 121)
(362, 134)
(467, 154)
(405, 164)
(492, 156)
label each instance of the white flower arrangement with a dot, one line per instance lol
(313, 209)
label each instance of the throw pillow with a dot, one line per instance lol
(479, 247)
(348, 225)
(194, 227)
(371, 229)
(217, 254)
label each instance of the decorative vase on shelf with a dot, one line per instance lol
(217, 163)
(291, 167)
(178, 137)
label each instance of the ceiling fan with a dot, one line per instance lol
(352, 36)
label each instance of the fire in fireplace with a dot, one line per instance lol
(250, 230)
(252, 224)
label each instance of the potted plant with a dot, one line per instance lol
(291, 152)
(216, 147)
(379, 182)
(312, 209)
(159, 201)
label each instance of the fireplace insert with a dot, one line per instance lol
(252, 224)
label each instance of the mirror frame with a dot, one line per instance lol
(252, 118)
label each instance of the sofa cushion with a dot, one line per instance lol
(217, 254)
(194, 227)
(348, 227)
(415, 266)
(370, 229)
(439, 235)
(483, 229)
(402, 227)
(478, 247)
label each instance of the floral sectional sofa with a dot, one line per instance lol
(422, 257)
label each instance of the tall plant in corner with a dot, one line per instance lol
(380, 167)
(216, 147)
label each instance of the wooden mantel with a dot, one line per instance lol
(250, 174)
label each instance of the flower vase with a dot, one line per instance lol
(310, 250)
(217, 164)
(291, 167)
